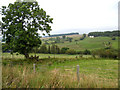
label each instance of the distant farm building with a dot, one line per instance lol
(91, 36)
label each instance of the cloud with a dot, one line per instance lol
(73, 15)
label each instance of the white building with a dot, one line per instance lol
(91, 36)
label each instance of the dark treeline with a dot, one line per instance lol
(54, 49)
(106, 33)
(64, 34)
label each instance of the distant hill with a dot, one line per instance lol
(80, 45)
(106, 33)
(55, 35)
(89, 43)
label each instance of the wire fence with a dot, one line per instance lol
(72, 68)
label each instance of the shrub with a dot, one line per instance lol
(113, 38)
(81, 38)
(79, 52)
(87, 52)
(71, 52)
(106, 53)
(63, 50)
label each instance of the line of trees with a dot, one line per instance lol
(106, 33)
(59, 40)
(54, 49)
(64, 34)
(106, 53)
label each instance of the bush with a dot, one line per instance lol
(79, 52)
(113, 38)
(71, 52)
(87, 52)
(81, 38)
(106, 53)
(63, 50)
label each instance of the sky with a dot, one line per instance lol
(81, 16)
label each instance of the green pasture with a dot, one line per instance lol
(61, 70)
(14, 56)
(89, 43)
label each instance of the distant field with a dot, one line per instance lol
(59, 70)
(61, 36)
(8, 55)
(88, 43)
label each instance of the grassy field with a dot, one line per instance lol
(8, 56)
(59, 72)
(88, 43)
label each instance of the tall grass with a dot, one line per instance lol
(22, 76)
(20, 73)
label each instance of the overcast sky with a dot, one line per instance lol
(81, 16)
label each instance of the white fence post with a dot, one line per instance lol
(78, 73)
(34, 67)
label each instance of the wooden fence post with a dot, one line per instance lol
(34, 67)
(78, 73)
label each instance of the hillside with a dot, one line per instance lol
(55, 35)
(74, 35)
(87, 43)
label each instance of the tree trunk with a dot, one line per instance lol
(26, 55)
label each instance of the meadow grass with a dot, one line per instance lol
(89, 43)
(24, 77)
(60, 73)
(8, 55)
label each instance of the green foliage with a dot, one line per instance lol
(86, 52)
(106, 33)
(46, 42)
(55, 49)
(43, 49)
(84, 35)
(71, 51)
(107, 45)
(76, 40)
(70, 39)
(51, 39)
(64, 37)
(57, 40)
(106, 53)
(64, 49)
(4, 48)
(49, 50)
(113, 38)
(82, 38)
(21, 23)
(63, 34)
(79, 52)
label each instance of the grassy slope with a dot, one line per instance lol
(92, 72)
(88, 43)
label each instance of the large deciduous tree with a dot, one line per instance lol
(21, 22)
